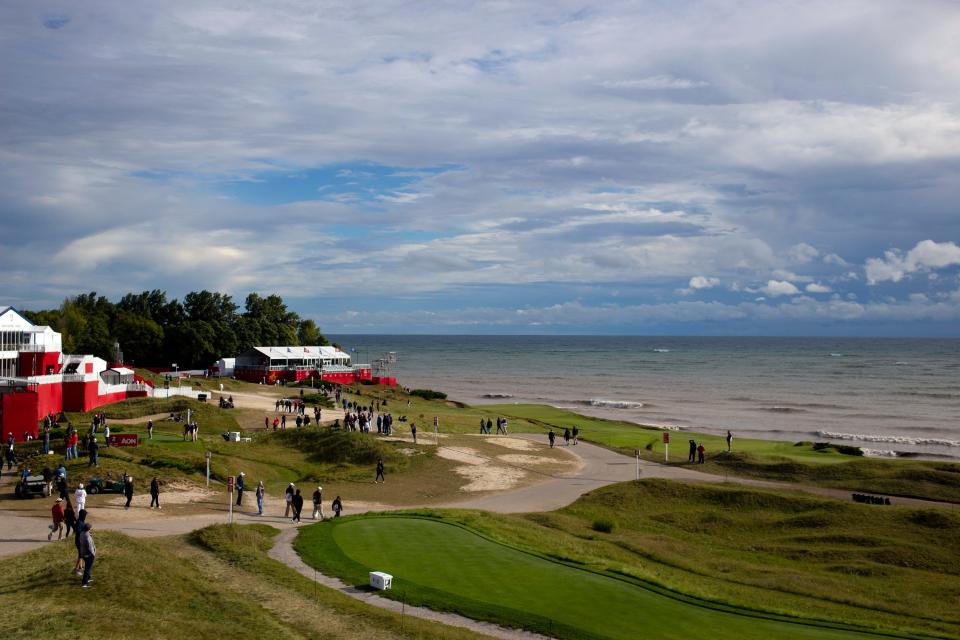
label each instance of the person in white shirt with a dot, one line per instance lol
(81, 497)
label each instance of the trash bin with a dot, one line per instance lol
(380, 580)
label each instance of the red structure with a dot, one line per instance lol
(268, 365)
(37, 379)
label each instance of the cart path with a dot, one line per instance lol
(600, 467)
(283, 551)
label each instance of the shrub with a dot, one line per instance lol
(604, 525)
(428, 394)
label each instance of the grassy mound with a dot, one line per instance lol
(337, 447)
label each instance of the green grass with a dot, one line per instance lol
(446, 566)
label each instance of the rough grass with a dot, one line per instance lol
(447, 566)
(218, 582)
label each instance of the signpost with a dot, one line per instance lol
(123, 440)
(666, 446)
(230, 483)
(208, 468)
(436, 429)
(637, 453)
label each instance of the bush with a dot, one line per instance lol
(428, 394)
(604, 525)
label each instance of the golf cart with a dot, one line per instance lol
(31, 487)
(104, 485)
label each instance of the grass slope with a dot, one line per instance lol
(450, 567)
(216, 583)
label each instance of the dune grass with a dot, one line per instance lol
(446, 566)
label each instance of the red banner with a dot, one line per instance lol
(123, 440)
(666, 437)
(229, 484)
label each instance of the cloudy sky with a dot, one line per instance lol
(509, 167)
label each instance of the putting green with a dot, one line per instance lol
(448, 567)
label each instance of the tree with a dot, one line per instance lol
(141, 339)
(308, 333)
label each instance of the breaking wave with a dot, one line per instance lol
(613, 404)
(873, 437)
(879, 453)
(783, 409)
(661, 350)
(497, 396)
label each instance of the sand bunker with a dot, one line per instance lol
(517, 444)
(490, 477)
(462, 454)
(172, 493)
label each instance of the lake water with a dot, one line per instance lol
(889, 396)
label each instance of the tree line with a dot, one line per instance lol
(155, 331)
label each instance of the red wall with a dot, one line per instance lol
(23, 410)
(35, 364)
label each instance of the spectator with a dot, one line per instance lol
(552, 437)
(88, 551)
(337, 507)
(128, 490)
(81, 496)
(576, 434)
(700, 451)
(77, 530)
(379, 477)
(288, 497)
(149, 429)
(318, 503)
(240, 489)
(260, 493)
(56, 512)
(154, 493)
(729, 440)
(297, 505)
(94, 452)
(69, 518)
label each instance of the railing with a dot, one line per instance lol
(32, 348)
(74, 377)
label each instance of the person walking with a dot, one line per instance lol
(77, 530)
(413, 431)
(337, 507)
(69, 519)
(94, 447)
(128, 490)
(729, 440)
(149, 429)
(88, 551)
(379, 477)
(318, 503)
(700, 451)
(566, 436)
(62, 484)
(81, 497)
(297, 505)
(56, 513)
(260, 493)
(552, 437)
(576, 434)
(154, 493)
(288, 497)
(692, 455)
(240, 489)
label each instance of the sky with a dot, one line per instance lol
(714, 168)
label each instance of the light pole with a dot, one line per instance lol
(176, 370)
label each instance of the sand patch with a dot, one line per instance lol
(517, 444)
(463, 454)
(171, 493)
(490, 477)
(519, 458)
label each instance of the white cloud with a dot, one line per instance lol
(703, 282)
(834, 259)
(815, 287)
(927, 254)
(776, 288)
(802, 253)
(655, 82)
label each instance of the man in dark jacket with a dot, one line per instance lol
(128, 490)
(88, 551)
(380, 477)
(239, 489)
(297, 505)
(81, 520)
(154, 493)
